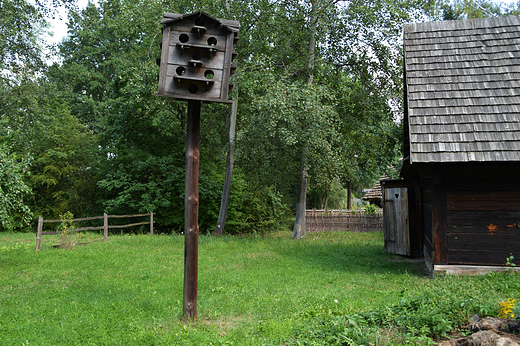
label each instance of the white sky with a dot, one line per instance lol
(59, 27)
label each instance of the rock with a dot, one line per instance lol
(452, 342)
(474, 319)
(494, 324)
(491, 338)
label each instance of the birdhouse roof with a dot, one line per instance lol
(231, 25)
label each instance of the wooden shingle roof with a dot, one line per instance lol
(231, 25)
(463, 90)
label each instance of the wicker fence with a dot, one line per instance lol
(343, 220)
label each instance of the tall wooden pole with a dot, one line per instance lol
(191, 212)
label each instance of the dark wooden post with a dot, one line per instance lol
(191, 212)
(39, 233)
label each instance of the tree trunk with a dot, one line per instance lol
(326, 199)
(301, 206)
(349, 195)
(221, 222)
(299, 222)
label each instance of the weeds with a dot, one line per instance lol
(510, 265)
(67, 237)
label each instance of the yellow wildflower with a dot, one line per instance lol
(506, 308)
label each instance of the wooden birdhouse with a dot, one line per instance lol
(196, 57)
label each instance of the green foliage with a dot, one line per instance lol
(371, 209)
(15, 214)
(67, 238)
(444, 305)
(252, 291)
(510, 265)
(21, 24)
(257, 212)
(36, 121)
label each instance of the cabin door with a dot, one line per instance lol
(396, 220)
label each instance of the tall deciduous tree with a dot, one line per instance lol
(22, 24)
(35, 120)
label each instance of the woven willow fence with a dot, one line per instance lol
(343, 220)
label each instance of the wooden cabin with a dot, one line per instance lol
(461, 144)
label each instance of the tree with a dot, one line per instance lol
(110, 72)
(35, 120)
(14, 213)
(21, 24)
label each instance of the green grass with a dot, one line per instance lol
(268, 290)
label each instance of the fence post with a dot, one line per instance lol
(151, 222)
(39, 233)
(105, 226)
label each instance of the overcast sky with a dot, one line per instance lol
(59, 27)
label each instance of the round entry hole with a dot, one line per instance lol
(184, 38)
(181, 71)
(209, 74)
(193, 89)
(196, 55)
(212, 41)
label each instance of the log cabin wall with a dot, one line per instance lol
(483, 218)
(471, 214)
(426, 216)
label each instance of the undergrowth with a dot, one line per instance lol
(443, 307)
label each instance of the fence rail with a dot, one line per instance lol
(342, 220)
(105, 226)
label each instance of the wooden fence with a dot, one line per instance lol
(105, 226)
(342, 220)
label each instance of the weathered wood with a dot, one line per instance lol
(151, 223)
(473, 241)
(480, 256)
(483, 200)
(89, 228)
(342, 220)
(440, 241)
(39, 233)
(397, 233)
(196, 58)
(105, 226)
(470, 269)
(75, 220)
(129, 225)
(191, 212)
(126, 216)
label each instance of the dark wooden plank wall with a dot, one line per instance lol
(483, 227)
(426, 204)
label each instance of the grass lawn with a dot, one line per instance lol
(269, 290)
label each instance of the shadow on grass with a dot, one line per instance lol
(362, 257)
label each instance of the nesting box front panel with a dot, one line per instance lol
(194, 61)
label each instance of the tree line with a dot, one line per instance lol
(319, 90)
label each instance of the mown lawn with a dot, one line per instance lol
(268, 290)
